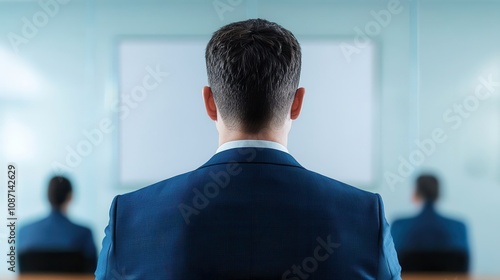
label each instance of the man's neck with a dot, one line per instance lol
(274, 136)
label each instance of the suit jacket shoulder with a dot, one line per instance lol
(429, 231)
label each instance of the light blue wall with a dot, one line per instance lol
(430, 57)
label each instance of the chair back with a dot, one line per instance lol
(434, 261)
(53, 262)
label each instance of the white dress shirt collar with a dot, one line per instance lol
(252, 144)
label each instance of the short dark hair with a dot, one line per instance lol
(253, 69)
(58, 191)
(428, 187)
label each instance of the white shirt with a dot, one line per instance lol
(251, 144)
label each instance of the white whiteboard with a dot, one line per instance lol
(165, 131)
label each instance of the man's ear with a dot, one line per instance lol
(69, 197)
(297, 103)
(416, 198)
(208, 97)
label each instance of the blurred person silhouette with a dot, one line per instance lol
(430, 241)
(55, 236)
(252, 211)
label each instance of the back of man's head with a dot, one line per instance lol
(253, 69)
(428, 187)
(59, 191)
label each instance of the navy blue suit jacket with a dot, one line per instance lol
(248, 213)
(429, 231)
(56, 232)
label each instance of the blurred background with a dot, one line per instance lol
(437, 71)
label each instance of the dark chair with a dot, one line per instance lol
(55, 262)
(434, 261)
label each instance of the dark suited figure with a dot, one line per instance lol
(56, 233)
(252, 211)
(430, 236)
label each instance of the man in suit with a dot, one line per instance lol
(56, 232)
(429, 231)
(252, 211)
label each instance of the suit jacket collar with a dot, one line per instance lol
(428, 209)
(57, 214)
(252, 155)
